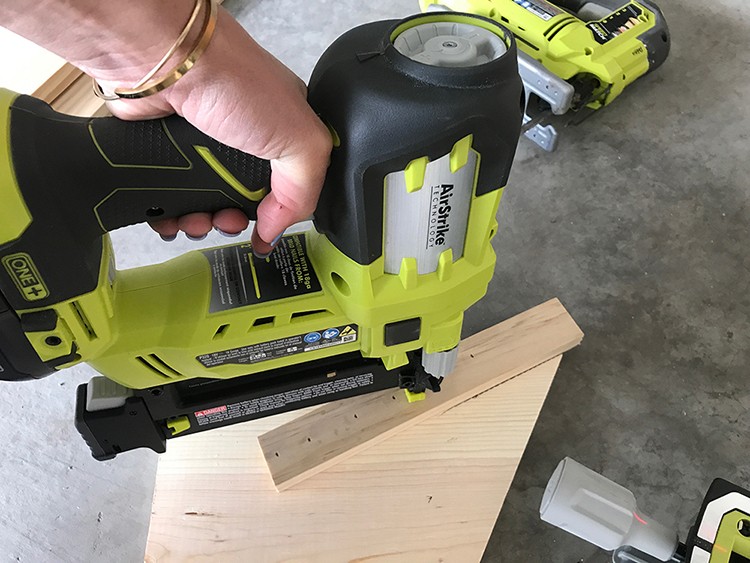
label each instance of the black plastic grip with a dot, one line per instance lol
(80, 178)
(121, 173)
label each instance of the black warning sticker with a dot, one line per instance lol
(277, 401)
(540, 8)
(616, 23)
(289, 346)
(239, 278)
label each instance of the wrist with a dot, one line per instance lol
(210, 71)
(117, 42)
(173, 64)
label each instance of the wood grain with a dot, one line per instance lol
(58, 83)
(79, 99)
(336, 431)
(431, 493)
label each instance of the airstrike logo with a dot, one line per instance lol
(24, 274)
(440, 212)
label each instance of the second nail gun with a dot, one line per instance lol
(574, 54)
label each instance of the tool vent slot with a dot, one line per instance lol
(307, 315)
(158, 366)
(220, 332)
(551, 31)
(83, 321)
(262, 321)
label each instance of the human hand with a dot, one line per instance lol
(243, 97)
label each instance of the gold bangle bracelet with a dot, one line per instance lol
(148, 86)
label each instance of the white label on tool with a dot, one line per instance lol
(280, 400)
(288, 346)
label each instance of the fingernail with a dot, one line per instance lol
(273, 244)
(168, 238)
(275, 241)
(195, 239)
(228, 235)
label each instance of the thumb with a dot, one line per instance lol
(295, 188)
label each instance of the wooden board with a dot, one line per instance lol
(58, 83)
(79, 99)
(431, 493)
(333, 432)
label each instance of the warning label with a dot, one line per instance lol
(291, 345)
(239, 278)
(280, 400)
(209, 412)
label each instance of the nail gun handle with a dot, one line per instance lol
(66, 181)
(120, 173)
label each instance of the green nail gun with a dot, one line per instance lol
(425, 114)
(574, 54)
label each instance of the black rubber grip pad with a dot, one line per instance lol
(128, 172)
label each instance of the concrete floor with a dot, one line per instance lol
(638, 223)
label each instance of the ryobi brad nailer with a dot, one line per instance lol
(592, 507)
(425, 114)
(574, 54)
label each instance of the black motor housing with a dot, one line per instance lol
(388, 115)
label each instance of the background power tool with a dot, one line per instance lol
(604, 513)
(425, 114)
(574, 54)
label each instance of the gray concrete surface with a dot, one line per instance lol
(639, 224)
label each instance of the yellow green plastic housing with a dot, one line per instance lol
(566, 47)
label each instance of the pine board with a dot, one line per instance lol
(333, 432)
(430, 493)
